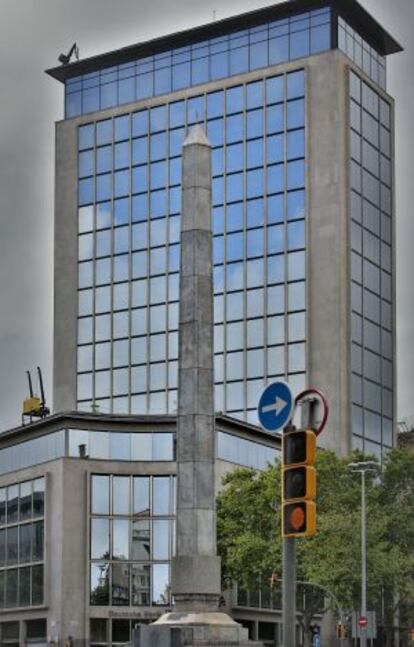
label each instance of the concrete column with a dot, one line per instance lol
(195, 579)
(328, 259)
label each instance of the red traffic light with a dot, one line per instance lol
(299, 519)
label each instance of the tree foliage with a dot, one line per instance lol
(249, 529)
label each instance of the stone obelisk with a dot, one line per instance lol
(195, 576)
(195, 569)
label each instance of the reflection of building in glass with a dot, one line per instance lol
(22, 511)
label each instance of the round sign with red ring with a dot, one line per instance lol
(362, 621)
(321, 396)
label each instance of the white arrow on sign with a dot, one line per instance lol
(277, 406)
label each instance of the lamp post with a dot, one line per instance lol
(363, 467)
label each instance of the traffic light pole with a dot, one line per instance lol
(289, 551)
(289, 592)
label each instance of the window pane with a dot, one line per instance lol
(25, 543)
(161, 503)
(120, 502)
(161, 539)
(140, 584)
(120, 539)
(12, 503)
(100, 494)
(25, 500)
(38, 540)
(120, 584)
(141, 547)
(100, 584)
(37, 584)
(160, 584)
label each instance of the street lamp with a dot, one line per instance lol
(363, 467)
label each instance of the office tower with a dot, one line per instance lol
(293, 99)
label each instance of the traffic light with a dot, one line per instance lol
(298, 483)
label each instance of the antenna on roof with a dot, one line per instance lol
(65, 58)
(214, 15)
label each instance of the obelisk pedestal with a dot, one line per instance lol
(195, 569)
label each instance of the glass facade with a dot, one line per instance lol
(32, 452)
(129, 227)
(362, 54)
(132, 539)
(127, 446)
(245, 452)
(216, 58)
(371, 267)
(22, 511)
(122, 446)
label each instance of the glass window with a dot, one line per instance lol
(120, 584)
(234, 99)
(140, 584)
(86, 136)
(2, 506)
(37, 584)
(12, 503)
(24, 588)
(278, 49)
(99, 584)
(100, 494)
(39, 497)
(234, 128)
(235, 336)
(100, 538)
(161, 539)
(275, 119)
(120, 538)
(11, 588)
(12, 542)
(160, 584)
(25, 507)
(161, 489)
(120, 501)
(141, 485)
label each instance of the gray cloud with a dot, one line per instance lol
(32, 34)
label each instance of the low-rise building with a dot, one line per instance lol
(87, 513)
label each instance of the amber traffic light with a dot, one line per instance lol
(298, 483)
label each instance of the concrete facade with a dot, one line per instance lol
(328, 261)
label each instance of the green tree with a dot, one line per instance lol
(249, 536)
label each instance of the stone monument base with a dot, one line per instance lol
(181, 629)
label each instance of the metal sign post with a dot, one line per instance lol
(275, 411)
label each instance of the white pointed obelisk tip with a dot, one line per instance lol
(196, 135)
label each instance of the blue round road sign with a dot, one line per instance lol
(275, 406)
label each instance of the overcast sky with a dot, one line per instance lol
(32, 34)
